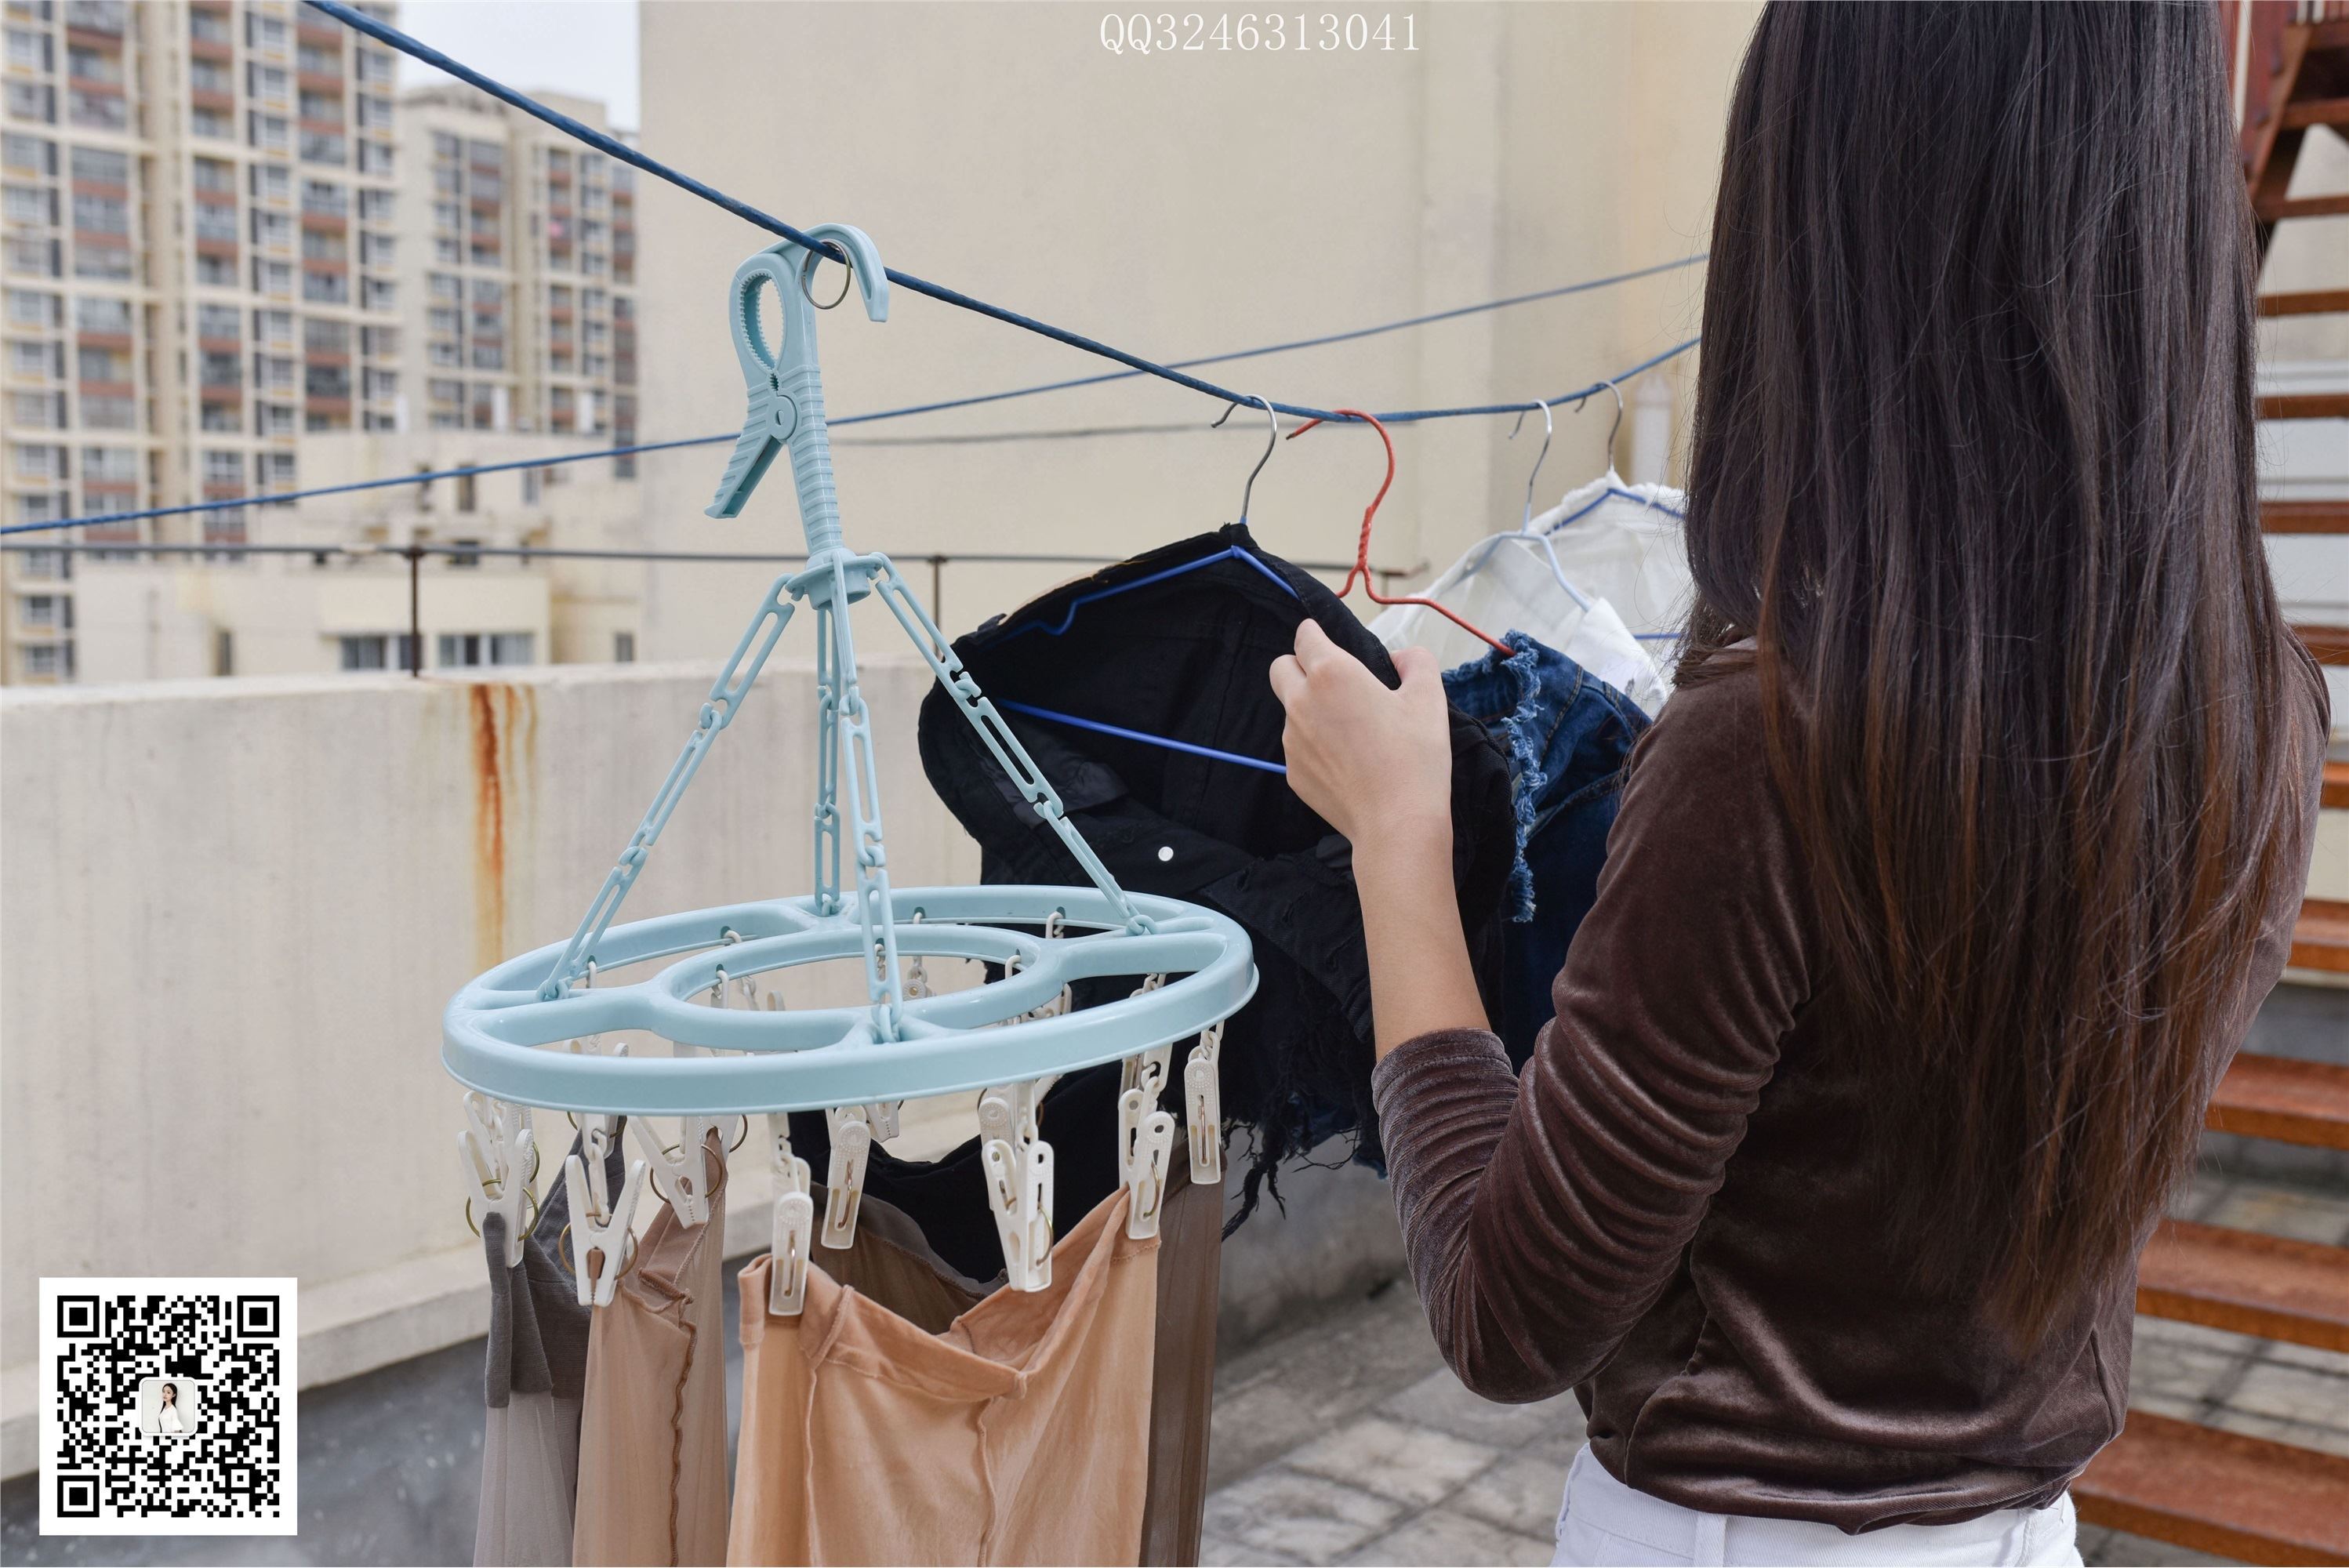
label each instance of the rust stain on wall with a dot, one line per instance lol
(489, 829)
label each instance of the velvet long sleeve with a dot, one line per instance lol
(1543, 1218)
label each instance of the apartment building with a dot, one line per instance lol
(526, 254)
(236, 265)
(200, 268)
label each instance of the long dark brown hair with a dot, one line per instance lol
(1973, 467)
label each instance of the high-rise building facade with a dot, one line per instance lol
(521, 258)
(201, 267)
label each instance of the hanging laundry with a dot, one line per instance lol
(1626, 545)
(1185, 659)
(1569, 735)
(536, 1376)
(652, 1437)
(1509, 580)
(893, 1264)
(1027, 1422)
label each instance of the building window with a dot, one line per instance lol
(110, 263)
(265, 32)
(378, 206)
(225, 469)
(470, 650)
(274, 327)
(223, 652)
(98, 313)
(623, 647)
(108, 412)
(34, 102)
(30, 204)
(33, 258)
(273, 278)
(376, 651)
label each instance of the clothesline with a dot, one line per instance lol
(280, 498)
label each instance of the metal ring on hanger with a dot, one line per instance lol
(528, 1197)
(1249, 494)
(1549, 428)
(563, 1251)
(847, 279)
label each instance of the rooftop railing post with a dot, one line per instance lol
(937, 589)
(415, 611)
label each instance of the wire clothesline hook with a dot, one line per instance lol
(1549, 430)
(1612, 430)
(1248, 492)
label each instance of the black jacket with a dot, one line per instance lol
(1187, 659)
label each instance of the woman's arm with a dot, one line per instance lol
(1376, 763)
(1543, 1218)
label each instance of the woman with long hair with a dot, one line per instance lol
(1948, 883)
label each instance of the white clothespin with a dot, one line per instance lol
(882, 1115)
(600, 1236)
(1147, 1071)
(1019, 1169)
(498, 1151)
(844, 1181)
(683, 1179)
(794, 1222)
(1145, 1146)
(1202, 1106)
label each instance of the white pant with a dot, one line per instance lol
(1603, 1521)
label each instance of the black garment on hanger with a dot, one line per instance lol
(1187, 659)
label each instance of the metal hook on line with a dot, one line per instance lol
(1249, 494)
(1549, 430)
(1612, 430)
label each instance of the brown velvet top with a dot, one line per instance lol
(1666, 1214)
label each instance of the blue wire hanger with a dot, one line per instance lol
(1229, 553)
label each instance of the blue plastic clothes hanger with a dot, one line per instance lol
(1230, 552)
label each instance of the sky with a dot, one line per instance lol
(583, 47)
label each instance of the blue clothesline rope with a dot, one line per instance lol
(384, 33)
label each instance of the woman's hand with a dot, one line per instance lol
(1375, 762)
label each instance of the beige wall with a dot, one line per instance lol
(1174, 205)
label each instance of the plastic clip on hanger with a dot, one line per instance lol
(844, 1181)
(1203, 1106)
(897, 1044)
(794, 1222)
(601, 1241)
(1360, 570)
(499, 1155)
(1017, 1165)
(1145, 1134)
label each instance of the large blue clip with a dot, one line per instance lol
(785, 384)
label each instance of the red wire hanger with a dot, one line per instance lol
(1362, 568)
